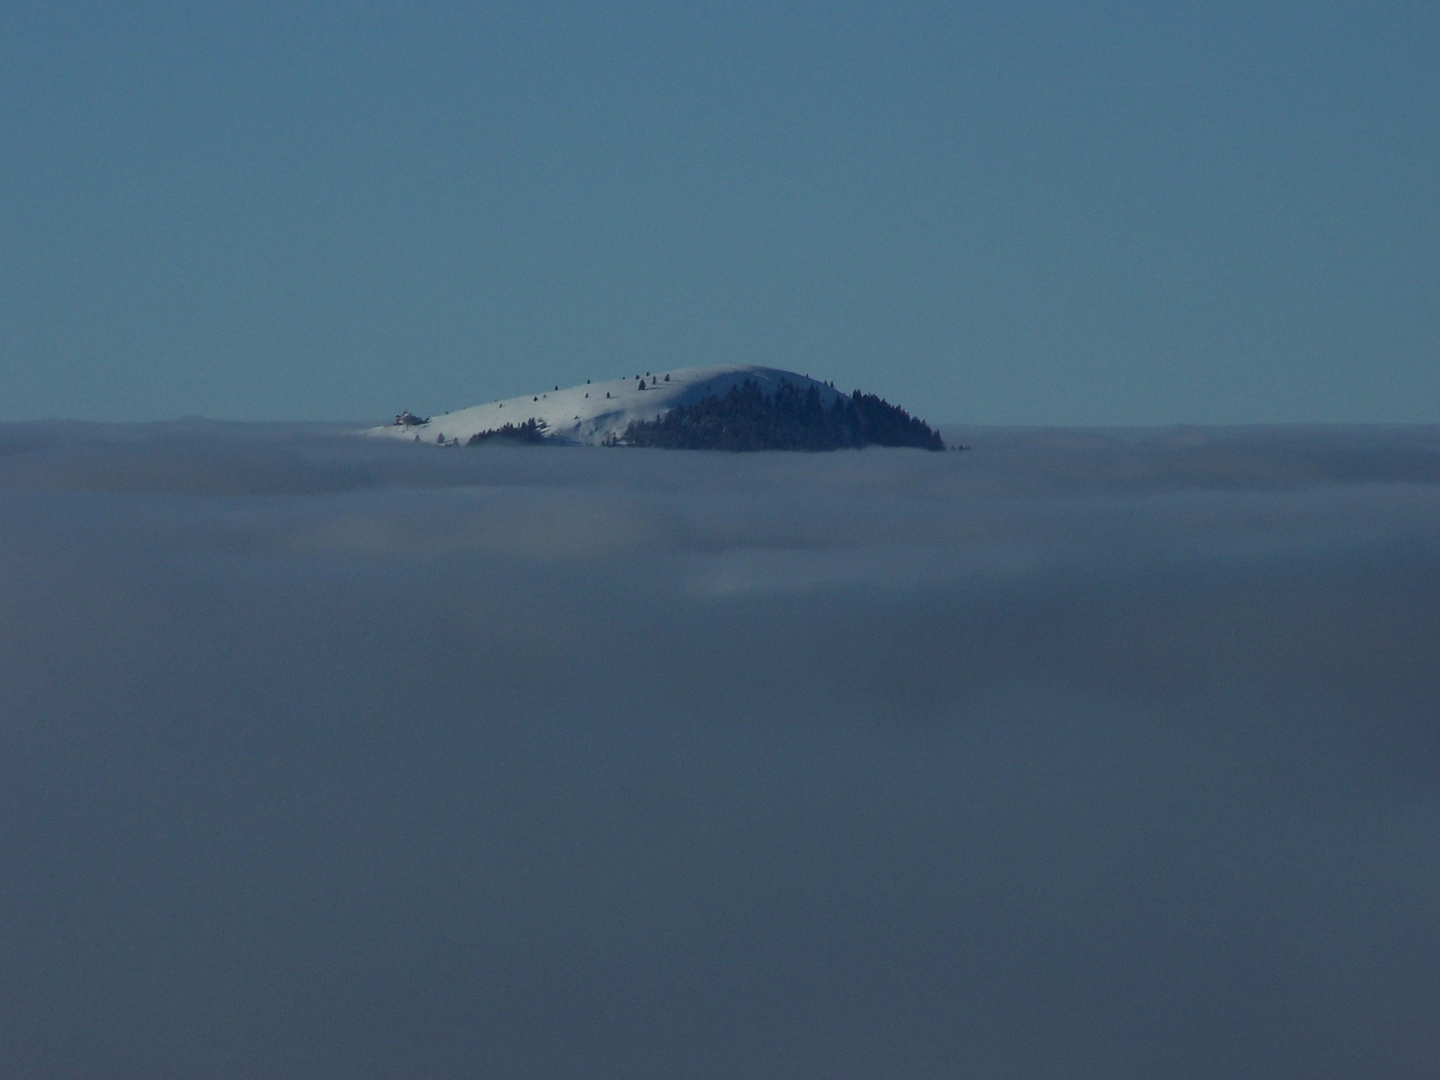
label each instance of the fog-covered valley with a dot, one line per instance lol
(1077, 753)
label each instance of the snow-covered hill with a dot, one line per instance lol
(596, 411)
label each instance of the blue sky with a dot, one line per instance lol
(1029, 213)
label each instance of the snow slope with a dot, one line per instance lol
(591, 413)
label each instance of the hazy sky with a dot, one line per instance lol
(1074, 213)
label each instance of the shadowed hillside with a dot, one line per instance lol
(746, 418)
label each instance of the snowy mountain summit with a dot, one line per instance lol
(725, 407)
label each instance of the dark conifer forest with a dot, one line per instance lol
(531, 431)
(791, 418)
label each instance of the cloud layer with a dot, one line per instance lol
(1079, 754)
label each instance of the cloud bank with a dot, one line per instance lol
(1079, 754)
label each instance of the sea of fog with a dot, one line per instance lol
(1076, 754)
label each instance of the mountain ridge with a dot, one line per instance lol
(598, 414)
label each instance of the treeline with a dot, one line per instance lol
(531, 431)
(791, 418)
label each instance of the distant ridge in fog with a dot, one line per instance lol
(710, 408)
